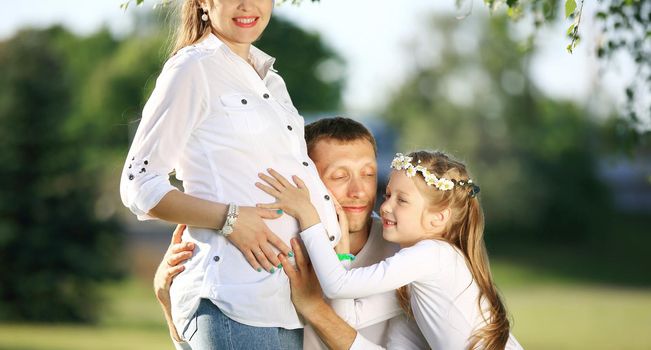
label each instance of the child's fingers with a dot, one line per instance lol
(299, 183)
(271, 181)
(335, 201)
(281, 179)
(269, 190)
(178, 233)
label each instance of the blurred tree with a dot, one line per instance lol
(309, 68)
(53, 247)
(533, 157)
(68, 107)
(624, 27)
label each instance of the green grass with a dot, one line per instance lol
(549, 312)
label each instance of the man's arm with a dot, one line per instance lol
(308, 300)
(171, 265)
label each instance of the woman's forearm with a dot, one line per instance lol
(181, 208)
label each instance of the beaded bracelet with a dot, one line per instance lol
(343, 257)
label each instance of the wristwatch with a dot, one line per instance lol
(231, 217)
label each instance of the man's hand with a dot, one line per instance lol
(254, 239)
(308, 300)
(171, 265)
(306, 291)
(177, 253)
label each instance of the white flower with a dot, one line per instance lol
(411, 171)
(401, 162)
(430, 179)
(421, 168)
(445, 185)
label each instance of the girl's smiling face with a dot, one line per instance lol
(405, 218)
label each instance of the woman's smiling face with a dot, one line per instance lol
(239, 21)
(403, 211)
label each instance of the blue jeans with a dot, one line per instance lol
(210, 329)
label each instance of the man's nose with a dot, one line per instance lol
(356, 188)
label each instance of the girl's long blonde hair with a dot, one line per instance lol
(191, 27)
(465, 230)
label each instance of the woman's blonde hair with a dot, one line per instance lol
(191, 27)
(465, 230)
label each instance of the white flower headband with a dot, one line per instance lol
(403, 162)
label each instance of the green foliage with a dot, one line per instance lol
(68, 107)
(53, 247)
(624, 26)
(534, 158)
(299, 56)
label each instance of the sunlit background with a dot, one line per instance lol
(566, 188)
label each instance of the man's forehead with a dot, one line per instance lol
(329, 142)
(331, 152)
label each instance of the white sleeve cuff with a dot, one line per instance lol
(315, 230)
(362, 343)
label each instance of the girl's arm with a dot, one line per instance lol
(178, 104)
(408, 265)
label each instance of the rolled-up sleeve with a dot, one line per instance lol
(175, 107)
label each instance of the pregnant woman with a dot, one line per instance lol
(218, 116)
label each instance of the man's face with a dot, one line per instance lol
(349, 171)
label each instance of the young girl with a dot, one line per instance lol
(441, 272)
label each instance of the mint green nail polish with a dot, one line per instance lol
(280, 266)
(290, 254)
(259, 269)
(272, 270)
(279, 211)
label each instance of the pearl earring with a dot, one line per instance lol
(204, 17)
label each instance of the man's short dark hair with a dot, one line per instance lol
(338, 128)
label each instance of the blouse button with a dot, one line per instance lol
(305, 163)
(216, 258)
(146, 162)
(289, 127)
(332, 238)
(265, 96)
(326, 197)
(244, 101)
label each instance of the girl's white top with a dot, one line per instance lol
(443, 293)
(218, 122)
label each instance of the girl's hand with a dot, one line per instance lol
(343, 247)
(292, 199)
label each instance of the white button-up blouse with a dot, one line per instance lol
(218, 122)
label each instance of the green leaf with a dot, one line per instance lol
(569, 48)
(570, 6)
(570, 30)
